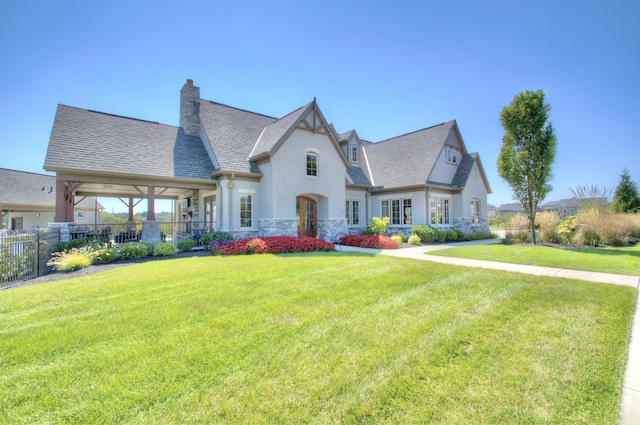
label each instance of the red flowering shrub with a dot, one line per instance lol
(275, 245)
(369, 241)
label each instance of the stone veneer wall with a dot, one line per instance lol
(278, 227)
(332, 229)
(63, 228)
(466, 226)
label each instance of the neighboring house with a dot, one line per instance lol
(491, 211)
(513, 208)
(569, 207)
(253, 175)
(28, 200)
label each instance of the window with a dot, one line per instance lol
(354, 154)
(398, 211)
(246, 210)
(475, 210)
(353, 212)
(210, 212)
(79, 214)
(312, 164)
(439, 211)
(452, 155)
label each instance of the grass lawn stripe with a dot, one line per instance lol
(314, 338)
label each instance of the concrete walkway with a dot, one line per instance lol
(630, 402)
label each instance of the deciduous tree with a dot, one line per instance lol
(528, 151)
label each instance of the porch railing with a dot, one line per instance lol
(132, 232)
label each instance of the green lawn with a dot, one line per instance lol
(312, 338)
(624, 260)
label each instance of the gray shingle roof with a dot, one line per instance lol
(274, 132)
(90, 140)
(355, 175)
(232, 134)
(407, 160)
(463, 171)
(32, 190)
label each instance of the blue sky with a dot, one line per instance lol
(382, 68)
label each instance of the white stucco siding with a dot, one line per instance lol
(30, 220)
(360, 196)
(245, 187)
(443, 172)
(475, 188)
(289, 176)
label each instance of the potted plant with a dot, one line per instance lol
(407, 215)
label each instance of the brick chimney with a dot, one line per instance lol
(189, 107)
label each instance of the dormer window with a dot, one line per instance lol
(354, 154)
(452, 155)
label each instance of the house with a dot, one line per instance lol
(254, 175)
(569, 207)
(28, 200)
(512, 208)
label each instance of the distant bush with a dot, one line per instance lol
(186, 245)
(414, 240)
(426, 233)
(567, 229)
(477, 236)
(397, 238)
(589, 236)
(164, 249)
(133, 250)
(207, 238)
(149, 247)
(548, 223)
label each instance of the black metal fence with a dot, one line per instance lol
(24, 254)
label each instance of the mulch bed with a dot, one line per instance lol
(97, 268)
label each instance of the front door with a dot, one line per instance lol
(16, 223)
(307, 213)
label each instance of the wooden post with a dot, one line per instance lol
(151, 201)
(61, 202)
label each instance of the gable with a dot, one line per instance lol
(309, 119)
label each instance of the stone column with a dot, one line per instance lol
(151, 232)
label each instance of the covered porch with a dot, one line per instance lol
(192, 216)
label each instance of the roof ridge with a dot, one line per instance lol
(27, 172)
(413, 132)
(240, 109)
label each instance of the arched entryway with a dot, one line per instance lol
(307, 214)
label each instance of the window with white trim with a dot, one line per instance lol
(246, 210)
(354, 154)
(312, 164)
(398, 210)
(475, 210)
(452, 155)
(352, 207)
(439, 211)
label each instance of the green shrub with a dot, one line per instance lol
(186, 245)
(477, 236)
(102, 252)
(567, 229)
(77, 243)
(377, 226)
(73, 259)
(133, 250)
(149, 247)
(164, 248)
(207, 238)
(397, 238)
(426, 233)
(403, 237)
(414, 240)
